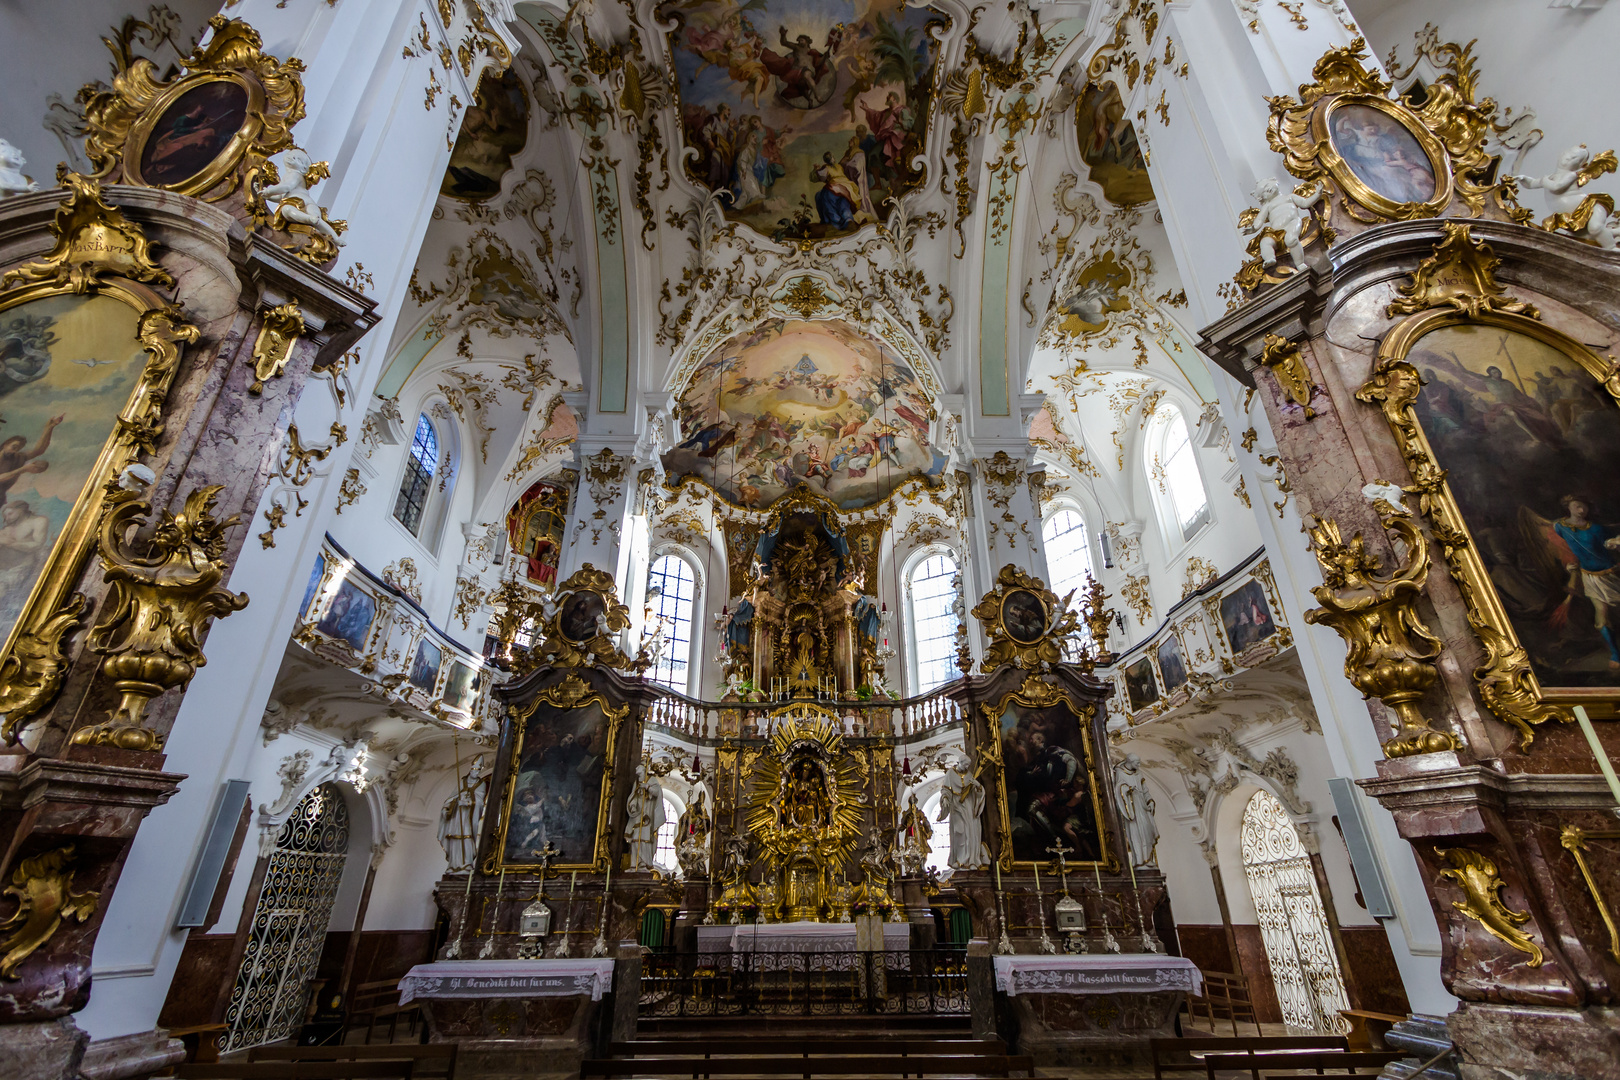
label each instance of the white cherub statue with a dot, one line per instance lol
(12, 180)
(1590, 217)
(1285, 212)
(296, 205)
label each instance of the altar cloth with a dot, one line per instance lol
(507, 979)
(1106, 973)
(795, 937)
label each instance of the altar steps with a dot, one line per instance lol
(826, 1053)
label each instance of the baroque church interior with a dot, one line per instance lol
(809, 537)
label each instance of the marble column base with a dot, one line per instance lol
(47, 1050)
(134, 1056)
(1072, 1030)
(1523, 1042)
(515, 1038)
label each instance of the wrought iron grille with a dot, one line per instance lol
(1293, 924)
(289, 923)
(900, 982)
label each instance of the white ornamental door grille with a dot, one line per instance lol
(289, 923)
(1293, 924)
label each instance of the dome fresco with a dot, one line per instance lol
(793, 402)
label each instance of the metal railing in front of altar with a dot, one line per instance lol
(904, 718)
(878, 982)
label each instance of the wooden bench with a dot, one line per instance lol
(1340, 1062)
(296, 1070)
(377, 1001)
(419, 1054)
(1178, 1056)
(858, 1065)
(780, 1046)
(1226, 997)
(1367, 1028)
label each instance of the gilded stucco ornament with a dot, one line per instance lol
(42, 887)
(120, 121)
(160, 602)
(580, 625)
(93, 240)
(1391, 651)
(1481, 882)
(1286, 362)
(280, 331)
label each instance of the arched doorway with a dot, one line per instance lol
(1293, 925)
(289, 922)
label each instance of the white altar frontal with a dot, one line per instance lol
(478, 979)
(803, 937)
(1102, 973)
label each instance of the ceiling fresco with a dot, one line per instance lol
(1109, 146)
(495, 130)
(794, 402)
(805, 113)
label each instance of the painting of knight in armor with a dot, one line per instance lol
(805, 117)
(1051, 789)
(67, 368)
(557, 794)
(1528, 438)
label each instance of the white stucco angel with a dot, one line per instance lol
(961, 802)
(1136, 808)
(462, 817)
(1285, 212)
(644, 816)
(293, 202)
(1588, 216)
(12, 180)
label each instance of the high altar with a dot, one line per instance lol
(806, 847)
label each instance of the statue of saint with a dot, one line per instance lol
(644, 816)
(1136, 808)
(961, 802)
(463, 816)
(692, 838)
(915, 835)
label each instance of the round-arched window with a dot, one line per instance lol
(417, 483)
(932, 586)
(1184, 504)
(672, 604)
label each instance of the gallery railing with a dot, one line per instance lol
(903, 717)
(893, 982)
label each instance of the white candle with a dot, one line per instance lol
(1604, 765)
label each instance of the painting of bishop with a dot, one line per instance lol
(805, 116)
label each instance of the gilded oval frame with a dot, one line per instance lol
(224, 162)
(1001, 617)
(1356, 189)
(1506, 680)
(30, 678)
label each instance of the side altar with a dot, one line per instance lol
(802, 857)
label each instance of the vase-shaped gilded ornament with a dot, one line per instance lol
(1392, 652)
(163, 593)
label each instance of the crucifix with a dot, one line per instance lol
(1060, 851)
(544, 856)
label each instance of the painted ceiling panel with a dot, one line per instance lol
(795, 402)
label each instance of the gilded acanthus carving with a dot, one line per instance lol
(160, 601)
(1481, 882)
(1461, 274)
(1285, 361)
(282, 327)
(93, 240)
(580, 624)
(1391, 651)
(1027, 623)
(42, 886)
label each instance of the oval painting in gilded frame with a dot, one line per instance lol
(1023, 616)
(196, 138)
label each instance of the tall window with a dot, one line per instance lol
(1176, 472)
(418, 480)
(677, 589)
(664, 853)
(1068, 553)
(1293, 924)
(933, 623)
(939, 842)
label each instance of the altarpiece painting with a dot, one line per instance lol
(559, 785)
(1051, 784)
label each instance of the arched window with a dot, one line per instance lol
(1293, 924)
(1068, 553)
(1175, 473)
(664, 853)
(672, 576)
(939, 841)
(932, 586)
(417, 482)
